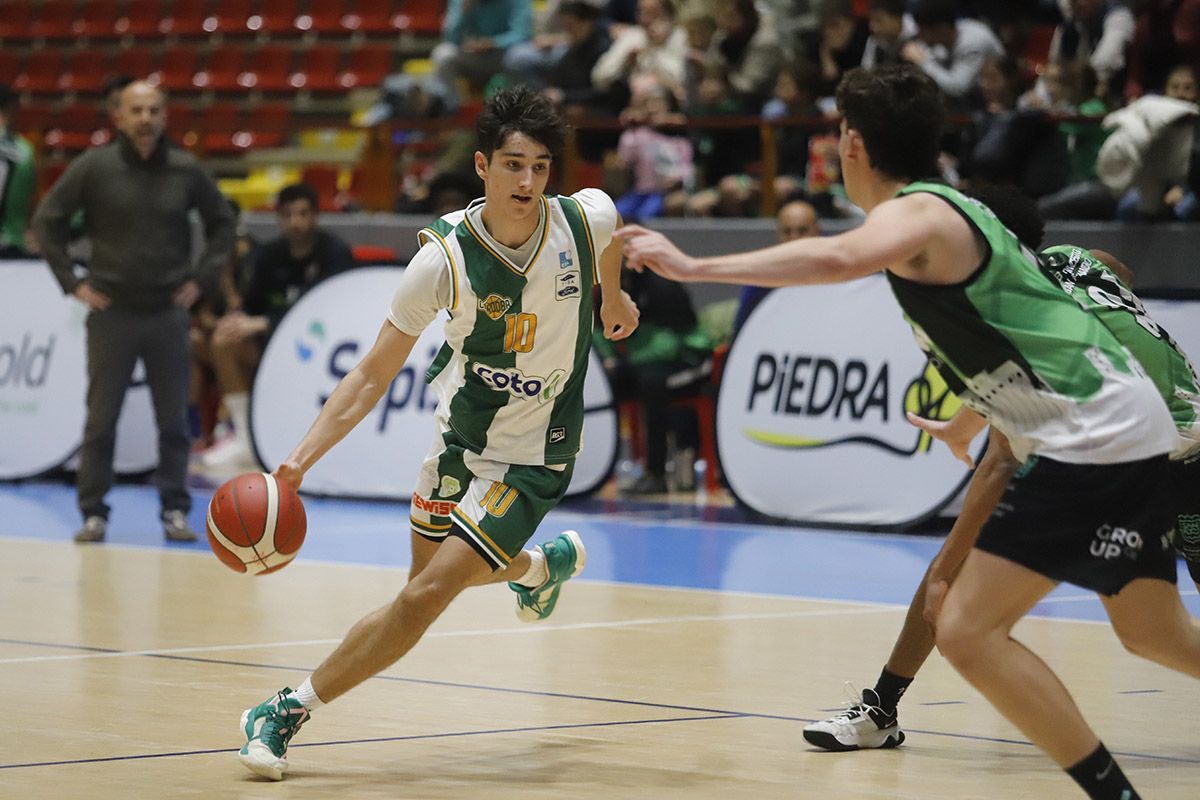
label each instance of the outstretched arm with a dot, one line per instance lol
(352, 399)
(892, 234)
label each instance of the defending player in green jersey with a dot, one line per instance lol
(514, 271)
(1090, 505)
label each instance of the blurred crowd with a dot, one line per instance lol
(1087, 105)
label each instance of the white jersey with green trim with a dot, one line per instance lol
(509, 379)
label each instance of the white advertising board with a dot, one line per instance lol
(811, 414)
(321, 339)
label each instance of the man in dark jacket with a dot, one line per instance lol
(135, 195)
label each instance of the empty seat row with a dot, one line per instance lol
(60, 20)
(227, 68)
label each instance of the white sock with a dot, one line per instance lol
(307, 697)
(536, 574)
(238, 406)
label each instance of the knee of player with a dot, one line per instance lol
(957, 640)
(425, 595)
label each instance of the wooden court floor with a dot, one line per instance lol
(124, 670)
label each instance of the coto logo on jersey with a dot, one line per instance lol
(518, 384)
(494, 305)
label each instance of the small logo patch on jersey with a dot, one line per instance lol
(564, 260)
(558, 435)
(494, 305)
(1189, 527)
(567, 285)
(449, 486)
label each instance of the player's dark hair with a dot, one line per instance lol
(898, 111)
(298, 191)
(1016, 211)
(520, 109)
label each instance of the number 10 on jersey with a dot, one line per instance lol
(519, 330)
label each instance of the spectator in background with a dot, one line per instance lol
(1148, 159)
(890, 26)
(655, 49)
(655, 152)
(951, 50)
(284, 269)
(1166, 33)
(1007, 145)
(671, 353)
(18, 177)
(568, 81)
(1097, 32)
(136, 194)
(795, 220)
(838, 45)
(747, 46)
(476, 34)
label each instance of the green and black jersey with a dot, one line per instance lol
(1101, 293)
(1017, 350)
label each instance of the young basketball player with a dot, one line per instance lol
(515, 272)
(1100, 284)
(1089, 505)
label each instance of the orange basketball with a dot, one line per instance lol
(255, 523)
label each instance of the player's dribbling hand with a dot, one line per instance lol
(288, 472)
(647, 248)
(620, 316)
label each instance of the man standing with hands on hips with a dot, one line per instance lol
(136, 194)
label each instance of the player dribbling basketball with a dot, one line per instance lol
(515, 271)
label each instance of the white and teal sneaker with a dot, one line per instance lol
(565, 557)
(268, 727)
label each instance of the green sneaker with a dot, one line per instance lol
(565, 557)
(268, 727)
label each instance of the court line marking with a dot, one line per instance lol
(376, 740)
(715, 713)
(104, 652)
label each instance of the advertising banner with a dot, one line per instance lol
(321, 339)
(811, 414)
(42, 379)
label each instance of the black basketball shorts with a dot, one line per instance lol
(1097, 526)
(1185, 492)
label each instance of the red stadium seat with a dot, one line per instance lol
(323, 178)
(372, 16)
(41, 72)
(176, 69)
(55, 20)
(276, 17)
(77, 127)
(318, 70)
(34, 118)
(222, 69)
(136, 62)
(186, 18)
(86, 73)
(422, 16)
(142, 19)
(181, 122)
(97, 20)
(10, 65)
(323, 17)
(224, 132)
(268, 69)
(368, 65)
(16, 22)
(229, 16)
(269, 124)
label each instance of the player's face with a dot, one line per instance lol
(516, 176)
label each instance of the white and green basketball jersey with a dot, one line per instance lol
(1100, 292)
(509, 379)
(1019, 351)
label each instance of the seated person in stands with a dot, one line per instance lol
(796, 220)
(284, 269)
(668, 353)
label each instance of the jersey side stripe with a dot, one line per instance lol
(422, 237)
